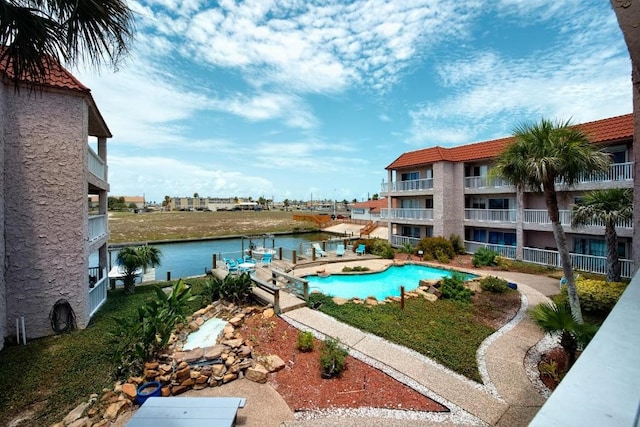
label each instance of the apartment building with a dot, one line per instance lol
(53, 157)
(441, 191)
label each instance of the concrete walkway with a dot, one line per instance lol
(507, 397)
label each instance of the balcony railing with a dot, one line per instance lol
(97, 166)
(504, 250)
(97, 227)
(399, 241)
(541, 216)
(490, 215)
(616, 172)
(410, 185)
(97, 289)
(590, 263)
(406, 213)
(485, 182)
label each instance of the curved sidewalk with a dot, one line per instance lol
(507, 397)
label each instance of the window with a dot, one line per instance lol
(428, 203)
(410, 176)
(476, 234)
(595, 247)
(475, 203)
(499, 203)
(410, 204)
(502, 238)
(408, 231)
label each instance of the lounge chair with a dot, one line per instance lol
(340, 250)
(232, 266)
(319, 250)
(360, 249)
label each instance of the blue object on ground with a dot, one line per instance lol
(147, 390)
(512, 285)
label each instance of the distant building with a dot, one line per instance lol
(369, 210)
(48, 231)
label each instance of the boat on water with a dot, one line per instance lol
(117, 272)
(261, 250)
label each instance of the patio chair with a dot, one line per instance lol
(319, 250)
(360, 249)
(266, 260)
(340, 250)
(232, 266)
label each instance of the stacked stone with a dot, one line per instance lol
(179, 371)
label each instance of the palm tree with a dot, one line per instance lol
(609, 207)
(407, 248)
(132, 259)
(35, 36)
(541, 155)
(557, 320)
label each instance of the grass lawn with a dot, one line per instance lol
(155, 226)
(447, 331)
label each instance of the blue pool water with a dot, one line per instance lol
(380, 285)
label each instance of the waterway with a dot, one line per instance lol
(193, 258)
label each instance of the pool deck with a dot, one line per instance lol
(507, 396)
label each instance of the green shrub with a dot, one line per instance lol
(442, 257)
(484, 257)
(235, 289)
(435, 248)
(458, 245)
(355, 268)
(504, 263)
(305, 341)
(453, 288)
(332, 358)
(139, 338)
(494, 284)
(597, 296)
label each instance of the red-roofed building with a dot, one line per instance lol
(441, 191)
(369, 210)
(53, 157)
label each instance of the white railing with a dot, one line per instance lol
(490, 215)
(399, 241)
(97, 227)
(407, 213)
(410, 185)
(616, 172)
(97, 166)
(541, 216)
(504, 250)
(485, 182)
(589, 263)
(98, 293)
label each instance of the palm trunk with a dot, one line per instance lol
(551, 201)
(613, 263)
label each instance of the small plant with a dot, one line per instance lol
(484, 257)
(453, 288)
(494, 284)
(408, 249)
(551, 370)
(305, 341)
(332, 358)
(236, 289)
(442, 257)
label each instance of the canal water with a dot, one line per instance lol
(193, 258)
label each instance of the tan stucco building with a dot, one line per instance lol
(53, 156)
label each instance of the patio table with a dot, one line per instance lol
(187, 412)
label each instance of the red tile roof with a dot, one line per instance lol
(600, 131)
(373, 205)
(57, 76)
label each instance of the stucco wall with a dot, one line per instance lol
(45, 206)
(3, 294)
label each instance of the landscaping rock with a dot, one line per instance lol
(340, 301)
(257, 374)
(273, 363)
(116, 408)
(371, 301)
(268, 313)
(130, 390)
(76, 413)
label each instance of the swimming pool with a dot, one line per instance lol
(380, 285)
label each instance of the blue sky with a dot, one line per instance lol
(296, 98)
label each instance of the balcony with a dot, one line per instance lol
(398, 241)
(486, 182)
(617, 172)
(490, 215)
(541, 217)
(411, 186)
(97, 227)
(98, 282)
(97, 166)
(407, 214)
